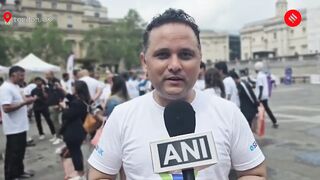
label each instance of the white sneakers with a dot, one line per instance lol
(78, 178)
(42, 137)
(53, 138)
(57, 141)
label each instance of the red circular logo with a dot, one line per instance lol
(292, 18)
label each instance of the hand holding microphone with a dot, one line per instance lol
(185, 150)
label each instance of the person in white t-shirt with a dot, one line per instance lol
(171, 56)
(94, 85)
(262, 91)
(229, 84)
(66, 83)
(132, 84)
(15, 123)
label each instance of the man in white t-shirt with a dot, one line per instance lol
(132, 86)
(262, 92)
(94, 85)
(229, 84)
(171, 57)
(15, 123)
(66, 83)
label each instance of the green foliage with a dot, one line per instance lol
(46, 42)
(119, 41)
(8, 46)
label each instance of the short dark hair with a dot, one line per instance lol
(234, 75)
(14, 69)
(170, 16)
(222, 66)
(202, 65)
(65, 75)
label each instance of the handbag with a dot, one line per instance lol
(96, 137)
(90, 123)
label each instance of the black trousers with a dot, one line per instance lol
(46, 115)
(268, 110)
(76, 154)
(15, 150)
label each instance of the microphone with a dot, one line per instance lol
(179, 118)
(184, 150)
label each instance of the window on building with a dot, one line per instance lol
(96, 14)
(69, 22)
(275, 50)
(275, 35)
(69, 6)
(91, 25)
(55, 17)
(38, 3)
(54, 4)
(304, 46)
(304, 29)
(253, 39)
(245, 55)
(39, 16)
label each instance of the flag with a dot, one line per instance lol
(70, 64)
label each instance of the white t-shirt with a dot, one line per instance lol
(231, 89)
(92, 84)
(132, 87)
(262, 81)
(200, 84)
(15, 121)
(27, 90)
(105, 93)
(215, 91)
(67, 86)
(133, 125)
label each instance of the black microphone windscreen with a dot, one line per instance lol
(179, 118)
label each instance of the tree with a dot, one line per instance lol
(8, 46)
(45, 42)
(120, 41)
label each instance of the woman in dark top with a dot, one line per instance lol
(73, 117)
(248, 101)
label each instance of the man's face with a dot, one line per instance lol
(38, 83)
(18, 77)
(49, 75)
(172, 60)
(66, 78)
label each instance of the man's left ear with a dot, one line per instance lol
(143, 61)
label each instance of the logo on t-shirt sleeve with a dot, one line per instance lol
(253, 146)
(99, 150)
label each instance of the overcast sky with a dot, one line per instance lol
(221, 15)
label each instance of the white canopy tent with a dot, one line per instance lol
(35, 64)
(3, 70)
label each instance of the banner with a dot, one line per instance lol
(70, 64)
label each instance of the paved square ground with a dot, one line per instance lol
(292, 151)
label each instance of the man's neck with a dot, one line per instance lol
(164, 101)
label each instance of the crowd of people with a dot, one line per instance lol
(171, 58)
(248, 94)
(63, 104)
